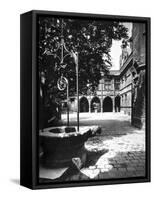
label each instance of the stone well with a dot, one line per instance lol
(61, 144)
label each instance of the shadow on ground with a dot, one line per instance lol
(123, 165)
(15, 181)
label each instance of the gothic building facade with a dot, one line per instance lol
(122, 90)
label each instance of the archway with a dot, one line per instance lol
(117, 103)
(95, 105)
(84, 105)
(107, 105)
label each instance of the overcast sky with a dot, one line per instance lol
(116, 49)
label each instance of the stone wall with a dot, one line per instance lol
(138, 111)
(139, 80)
(139, 39)
(126, 92)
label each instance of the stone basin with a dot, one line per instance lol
(61, 144)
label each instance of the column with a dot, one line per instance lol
(101, 95)
(113, 98)
(113, 101)
(89, 100)
(101, 105)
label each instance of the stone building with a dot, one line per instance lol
(122, 90)
(126, 62)
(138, 74)
(106, 98)
(132, 76)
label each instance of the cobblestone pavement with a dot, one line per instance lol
(123, 156)
(118, 152)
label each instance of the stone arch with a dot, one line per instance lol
(107, 104)
(95, 104)
(117, 103)
(84, 104)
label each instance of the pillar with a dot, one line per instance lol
(101, 105)
(89, 106)
(113, 103)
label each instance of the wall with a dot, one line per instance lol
(126, 92)
(139, 54)
(138, 35)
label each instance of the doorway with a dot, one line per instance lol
(84, 105)
(107, 105)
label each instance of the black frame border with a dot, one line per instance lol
(29, 140)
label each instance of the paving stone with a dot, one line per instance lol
(130, 174)
(131, 169)
(140, 173)
(104, 176)
(124, 154)
(122, 169)
(115, 170)
(140, 168)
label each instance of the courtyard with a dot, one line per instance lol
(118, 151)
(90, 97)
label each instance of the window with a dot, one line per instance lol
(107, 84)
(125, 99)
(117, 84)
(122, 99)
(100, 86)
